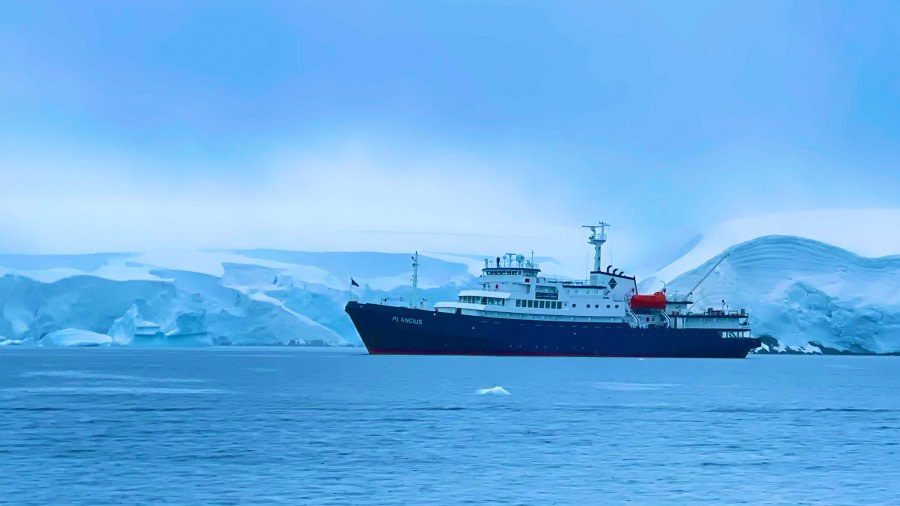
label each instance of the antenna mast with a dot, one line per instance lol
(415, 281)
(597, 238)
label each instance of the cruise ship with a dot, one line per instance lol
(515, 310)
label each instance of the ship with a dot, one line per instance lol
(517, 311)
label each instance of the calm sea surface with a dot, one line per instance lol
(301, 426)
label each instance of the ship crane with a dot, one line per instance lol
(706, 276)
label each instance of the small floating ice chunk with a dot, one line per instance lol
(492, 391)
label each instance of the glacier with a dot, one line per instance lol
(809, 295)
(861, 231)
(202, 298)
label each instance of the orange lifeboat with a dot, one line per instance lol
(655, 301)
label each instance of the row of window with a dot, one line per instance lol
(562, 317)
(490, 301)
(596, 306)
(540, 304)
(535, 304)
(510, 273)
(552, 304)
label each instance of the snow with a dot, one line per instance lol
(75, 337)
(864, 232)
(473, 263)
(800, 291)
(201, 298)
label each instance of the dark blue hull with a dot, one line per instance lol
(398, 330)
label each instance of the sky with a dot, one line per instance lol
(458, 126)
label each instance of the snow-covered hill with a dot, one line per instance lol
(866, 232)
(202, 298)
(801, 291)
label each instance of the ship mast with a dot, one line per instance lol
(413, 302)
(597, 238)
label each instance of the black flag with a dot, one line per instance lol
(353, 282)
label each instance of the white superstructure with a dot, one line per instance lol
(513, 287)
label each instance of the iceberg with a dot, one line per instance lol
(75, 337)
(498, 390)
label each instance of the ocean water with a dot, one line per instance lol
(301, 426)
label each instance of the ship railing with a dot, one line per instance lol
(509, 261)
(713, 312)
(722, 312)
(566, 281)
(385, 300)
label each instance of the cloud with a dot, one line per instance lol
(370, 192)
(315, 199)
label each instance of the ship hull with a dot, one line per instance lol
(405, 331)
